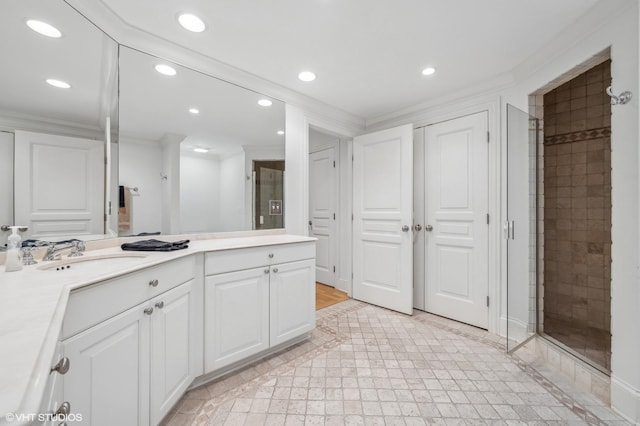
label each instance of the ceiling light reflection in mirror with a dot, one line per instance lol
(209, 188)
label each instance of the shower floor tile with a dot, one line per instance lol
(366, 365)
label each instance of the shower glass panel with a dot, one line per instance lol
(520, 229)
(268, 194)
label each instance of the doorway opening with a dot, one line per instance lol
(576, 234)
(268, 211)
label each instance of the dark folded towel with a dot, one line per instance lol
(155, 245)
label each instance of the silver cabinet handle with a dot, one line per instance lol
(148, 311)
(428, 228)
(270, 255)
(266, 271)
(275, 269)
(64, 409)
(418, 227)
(160, 305)
(62, 366)
(154, 283)
(405, 228)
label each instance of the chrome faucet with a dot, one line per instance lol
(54, 250)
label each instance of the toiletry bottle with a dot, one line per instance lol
(13, 260)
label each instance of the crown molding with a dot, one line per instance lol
(130, 36)
(11, 121)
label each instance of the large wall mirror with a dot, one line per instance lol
(197, 154)
(126, 150)
(57, 121)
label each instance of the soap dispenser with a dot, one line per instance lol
(13, 260)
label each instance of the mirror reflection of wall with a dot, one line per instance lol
(187, 144)
(59, 94)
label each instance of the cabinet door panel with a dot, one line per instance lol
(172, 336)
(236, 316)
(108, 381)
(292, 300)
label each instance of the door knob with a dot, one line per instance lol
(418, 227)
(405, 228)
(62, 366)
(64, 409)
(148, 311)
(153, 283)
(160, 305)
(428, 228)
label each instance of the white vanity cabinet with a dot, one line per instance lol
(255, 299)
(128, 367)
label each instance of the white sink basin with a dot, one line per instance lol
(86, 263)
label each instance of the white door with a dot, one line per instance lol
(456, 228)
(236, 314)
(59, 185)
(382, 210)
(172, 341)
(322, 209)
(292, 300)
(108, 378)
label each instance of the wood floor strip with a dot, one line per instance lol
(327, 296)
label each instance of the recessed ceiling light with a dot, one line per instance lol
(200, 150)
(44, 28)
(58, 83)
(307, 76)
(428, 71)
(265, 102)
(280, 132)
(191, 23)
(194, 110)
(165, 69)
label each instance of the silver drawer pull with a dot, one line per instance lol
(62, 366)
(153, 283)
(148, 311)
(160, 305)
(64, 409)
(275, 269)
(266, 271)
(270, 255)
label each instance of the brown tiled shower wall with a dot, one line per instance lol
(577, 214)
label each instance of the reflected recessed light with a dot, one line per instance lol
(191, 23)
(265, 102)
(280, 132)
(165, 69)
(58, 83)
(200, 150)
(307, 76)
(44, 28)
(194, 110)
(428, 71)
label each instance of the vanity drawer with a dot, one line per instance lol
(91, 305)
(217, 262)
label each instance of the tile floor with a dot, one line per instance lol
(366, 365)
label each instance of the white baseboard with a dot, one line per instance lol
(344, 285)
(625, 400)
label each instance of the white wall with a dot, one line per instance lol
(199, 193)
(140, 166)
(6, 183)
(232, 209)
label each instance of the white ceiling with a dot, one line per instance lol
(84, 57)
(367, 54)
(153, 107)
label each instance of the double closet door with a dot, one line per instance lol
(421, 219)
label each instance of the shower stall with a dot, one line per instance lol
(564, 293)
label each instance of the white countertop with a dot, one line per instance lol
(33, 303)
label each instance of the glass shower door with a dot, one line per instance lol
(520, 229)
